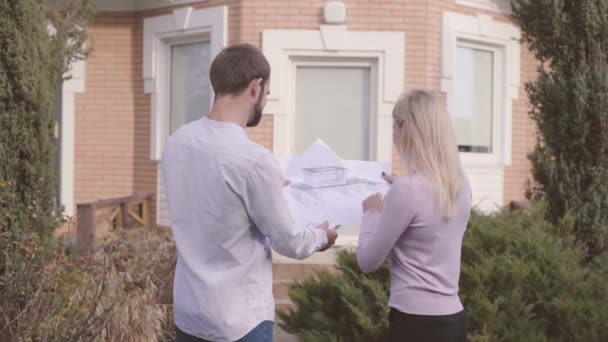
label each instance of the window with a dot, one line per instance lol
(333, 103)
(362, 71)
(480, 75)
(474, 99)
(178, 49)
(190, 86)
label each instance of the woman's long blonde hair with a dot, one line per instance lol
(428, 146)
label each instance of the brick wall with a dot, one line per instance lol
(104, 120)
(421, 23)
(524, 134)
(112, 124)
(113, 115)
(361, 15)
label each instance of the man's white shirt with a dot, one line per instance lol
(225, 195)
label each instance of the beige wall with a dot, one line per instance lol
(112, 121)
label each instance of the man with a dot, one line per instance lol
(225, 196)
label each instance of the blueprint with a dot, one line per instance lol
(324, 187)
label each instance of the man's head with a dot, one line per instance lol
(241, 71)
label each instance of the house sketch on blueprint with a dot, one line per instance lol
(325, 176)
(323, 184)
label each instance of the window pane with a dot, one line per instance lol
(190, 86)
(473, 113)
(332, 103)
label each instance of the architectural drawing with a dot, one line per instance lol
(327, 188)
(325, 176)
(325, 184)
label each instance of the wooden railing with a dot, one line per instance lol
(94, 218)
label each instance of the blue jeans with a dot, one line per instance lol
(261, 333)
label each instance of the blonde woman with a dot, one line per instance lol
(420, 224)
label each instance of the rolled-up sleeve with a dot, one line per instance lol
(380, 230)
(268, 210)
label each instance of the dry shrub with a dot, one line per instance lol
(122, 294)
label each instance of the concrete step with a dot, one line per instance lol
(297, 270)
(284, 304)
(280, 288)
(282, 336)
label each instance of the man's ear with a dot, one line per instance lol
(255, 86)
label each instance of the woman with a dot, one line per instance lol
(420, 224)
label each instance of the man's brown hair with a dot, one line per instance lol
(235, 67)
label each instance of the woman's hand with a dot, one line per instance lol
(389, 178)
(373, 202)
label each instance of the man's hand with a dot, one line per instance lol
(331, 236)
(373, 202)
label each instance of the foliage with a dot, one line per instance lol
(33, 59)
(569, 104)
(119, 295)
(522, 279)
(347, 306)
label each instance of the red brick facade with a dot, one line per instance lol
(112, 120)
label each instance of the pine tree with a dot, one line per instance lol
(570, 107)
(36, 48)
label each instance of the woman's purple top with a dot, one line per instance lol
(424, 247)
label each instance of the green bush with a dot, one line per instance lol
(347, 306)
(32, 65)
(569, 105)
(521, 280)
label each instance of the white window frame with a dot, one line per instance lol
(504, 40)
(75, 84)
(165, 60)
(340, 63)
(132, 5)
(493, 157)
(499, 6)
(184, 25)
(284, 48)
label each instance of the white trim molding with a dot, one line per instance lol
(505, 40)
(74, 81)
(383, 51)
(74, 84)
(130, 5)
(500, 6)
(485, 171)
(184, 24)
